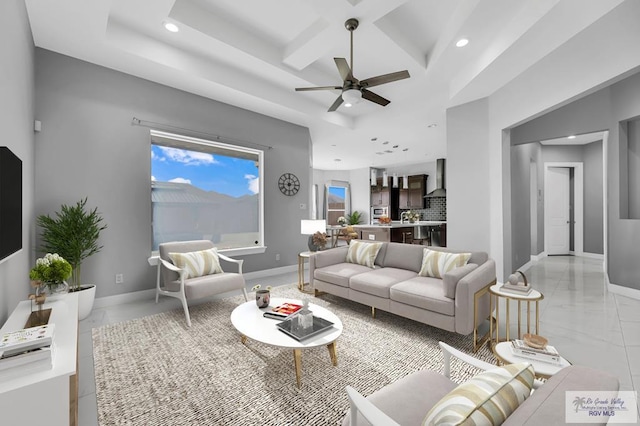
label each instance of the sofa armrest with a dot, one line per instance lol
(320, 259)
(483, 276)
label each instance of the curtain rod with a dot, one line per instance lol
(152, 124)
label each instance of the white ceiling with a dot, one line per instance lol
(583, 139)
(253, 53)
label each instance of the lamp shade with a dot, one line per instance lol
(310, 227)
(351, 97)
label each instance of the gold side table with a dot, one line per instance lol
(496, 291)
(301, 284)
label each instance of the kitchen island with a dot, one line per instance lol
(406, 232)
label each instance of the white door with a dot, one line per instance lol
(557, 210)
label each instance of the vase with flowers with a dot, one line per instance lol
(51, 272)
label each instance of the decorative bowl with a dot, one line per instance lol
(384, 220)
(535, 341)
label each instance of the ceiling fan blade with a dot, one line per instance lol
(370, 96)
(344, 69)
(336, 104)
(386, 78)
(305, 89)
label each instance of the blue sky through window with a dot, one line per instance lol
(223, 174)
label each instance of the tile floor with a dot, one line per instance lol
(589, 325)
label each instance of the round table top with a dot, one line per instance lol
(534, 295)
(503, 351)
(304, 254)
(248, 320)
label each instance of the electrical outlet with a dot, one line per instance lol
(277, 256)
(119, 278)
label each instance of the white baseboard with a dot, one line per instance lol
(632, 293)
(592, 255)
(539, 256)
(148, 294)
(118, 299)
(526, 266)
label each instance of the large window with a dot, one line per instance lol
(206, 190)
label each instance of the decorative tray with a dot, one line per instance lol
(319, 325)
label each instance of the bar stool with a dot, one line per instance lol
(420, 235)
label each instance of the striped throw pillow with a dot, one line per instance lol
(486, 399)
(363, 253)
(437, 263)
(198, 263)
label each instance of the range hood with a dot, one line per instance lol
(440, 190)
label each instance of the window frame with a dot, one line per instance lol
(189, 140)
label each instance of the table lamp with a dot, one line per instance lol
(310, 227)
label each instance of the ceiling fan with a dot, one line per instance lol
(354, 90)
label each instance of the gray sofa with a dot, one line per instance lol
(394, 285)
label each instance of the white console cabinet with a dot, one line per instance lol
(47, 397)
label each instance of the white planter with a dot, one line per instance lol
(86, 296)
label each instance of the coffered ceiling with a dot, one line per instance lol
(253, 53)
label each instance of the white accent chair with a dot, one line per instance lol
(171, 280)
(427, 386)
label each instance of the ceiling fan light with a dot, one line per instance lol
(351, 97)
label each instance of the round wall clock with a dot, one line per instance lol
(289, 184)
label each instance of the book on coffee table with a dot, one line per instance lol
(282, 311)
(319, 325)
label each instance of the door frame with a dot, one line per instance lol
(578, 204)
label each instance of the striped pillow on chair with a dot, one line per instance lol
(198, 263)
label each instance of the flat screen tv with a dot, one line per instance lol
(10, 203)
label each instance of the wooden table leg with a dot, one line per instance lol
(297, 359)
(332, 353)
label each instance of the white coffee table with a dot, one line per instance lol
(543, 370)
(248, 320)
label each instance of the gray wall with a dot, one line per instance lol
(16, 122)
(522, 246)
(468, 199)
(593, 198)
(89, 147)
(602, 110)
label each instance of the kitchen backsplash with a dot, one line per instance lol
(436, 210)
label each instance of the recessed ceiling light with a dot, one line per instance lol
(432, 125)
(385, 143)
(405, 150)
(170, 26)
(571, 137)
(396, 146)
(347, 105)
(374, 139)
(462, 42)
(337, 159)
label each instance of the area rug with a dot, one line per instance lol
(156, 371)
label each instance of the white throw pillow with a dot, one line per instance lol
(437, 263)
(198, 263)
(363, 253)
(486, 399)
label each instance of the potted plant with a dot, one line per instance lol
(50, 272)
(73, 233)
(354, 218)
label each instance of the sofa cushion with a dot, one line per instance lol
(437, 263)
(363, 253)
(451, 278)
(408, 399)
(403, 256)
(378, 281)
(340, 273)
(486, 399)
(198, 263)
(425, 293)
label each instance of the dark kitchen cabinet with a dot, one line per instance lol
(380, 195)
(413, 196)
(402, 235)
